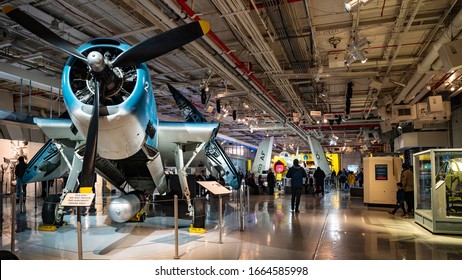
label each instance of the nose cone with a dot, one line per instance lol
(96, 61)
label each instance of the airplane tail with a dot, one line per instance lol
(214, 152)
(319, 155)
(263, 156)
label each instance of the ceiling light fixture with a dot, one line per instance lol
(354, 3)
(356, 50)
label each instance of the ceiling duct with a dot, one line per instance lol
(453, 29)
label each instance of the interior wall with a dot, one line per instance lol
(353, 158)
(7, 101)
(456, 128)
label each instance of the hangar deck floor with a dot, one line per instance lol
(334, 227)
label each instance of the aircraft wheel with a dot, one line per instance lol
(49, 209)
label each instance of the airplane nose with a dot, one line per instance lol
(96, 61)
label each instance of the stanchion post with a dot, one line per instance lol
(248, 201)
(13, 221)
(175, 214)
(79, 233)
(35, 195)
(241, 208)
(21, 196)
(220, 207)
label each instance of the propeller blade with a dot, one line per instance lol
(162, 43)
(41, 31)
(87, 175)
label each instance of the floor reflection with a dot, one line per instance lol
(334, 227)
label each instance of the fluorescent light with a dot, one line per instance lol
(354, 3)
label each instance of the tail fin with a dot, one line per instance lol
(214, 152)
(263, 157)
(319, 155)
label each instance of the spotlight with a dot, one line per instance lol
(354, 3)
(362, 57)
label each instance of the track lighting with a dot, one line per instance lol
(354, 3)
(355, 50)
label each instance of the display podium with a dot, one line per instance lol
(438, 190)
(217, 189)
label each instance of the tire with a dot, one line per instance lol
(49, 210)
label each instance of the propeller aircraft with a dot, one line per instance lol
(111, 125)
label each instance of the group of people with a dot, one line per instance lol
(261, 185)
(347, 179)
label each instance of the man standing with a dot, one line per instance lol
(271, 180)
(407, 179)
(319, 177)
(19, 171)
(360, 178)
(296, 173)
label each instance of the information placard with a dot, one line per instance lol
(78, 199)
(214, 187)
(381, 172)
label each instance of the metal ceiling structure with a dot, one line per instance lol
(284, 67)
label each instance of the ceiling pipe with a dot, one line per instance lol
(240, 64)
(406, 30)
(147, 5)
(342, 126)
(420, 85)
(297, 76)
(454, 28)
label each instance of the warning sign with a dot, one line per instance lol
(78, 199)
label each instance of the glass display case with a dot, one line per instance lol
(438, 190)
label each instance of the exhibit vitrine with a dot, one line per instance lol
(438, 190)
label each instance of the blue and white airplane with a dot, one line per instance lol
(111, 125)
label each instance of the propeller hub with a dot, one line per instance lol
(96, 61)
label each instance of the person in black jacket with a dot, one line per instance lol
(319, 177)
(19, 171)
(297, 174)
(399, 200)
(271, 180)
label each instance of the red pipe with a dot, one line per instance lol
(241, 65)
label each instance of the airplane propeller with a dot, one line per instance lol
(87, 175)
(162, 43)
(41, 31)
(140, 53)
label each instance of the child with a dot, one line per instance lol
(399, 200)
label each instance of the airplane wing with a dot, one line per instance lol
(53, 159)
(189, 135)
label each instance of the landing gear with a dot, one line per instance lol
(49, 208)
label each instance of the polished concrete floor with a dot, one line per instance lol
(336, 227)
